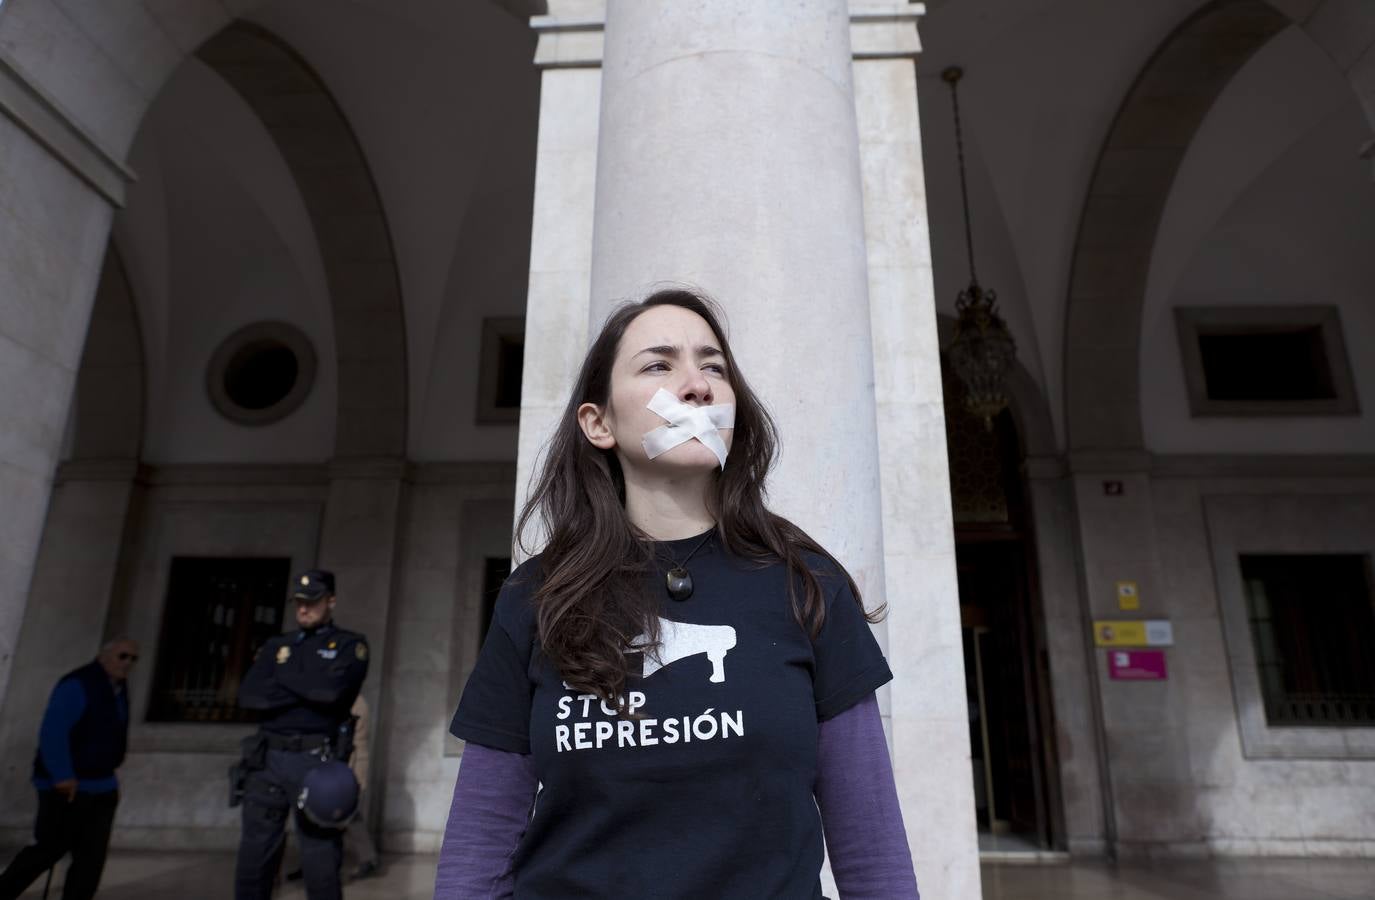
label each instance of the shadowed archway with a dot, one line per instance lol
(332, 174)
(1126, 197)
(1131, 184)
(110, 386)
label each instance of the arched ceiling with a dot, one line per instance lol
(1126, 195)
(350, 225)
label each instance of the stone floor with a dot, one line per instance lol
(1231, 879)
(163, 876)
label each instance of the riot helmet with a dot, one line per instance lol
(329, 795)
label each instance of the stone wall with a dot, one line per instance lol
(1182, 779)
(94, 570)
(458, 516)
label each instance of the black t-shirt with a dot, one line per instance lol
(708, 795)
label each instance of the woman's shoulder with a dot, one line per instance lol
(528, 574)
(515, 605)
(830, 575)
(823, 566)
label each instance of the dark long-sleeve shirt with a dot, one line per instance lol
(65, 706)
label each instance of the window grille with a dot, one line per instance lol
(219, 611)
(1312, 623)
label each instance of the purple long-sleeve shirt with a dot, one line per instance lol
(854, 790)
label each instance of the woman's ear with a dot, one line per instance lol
(592, 419)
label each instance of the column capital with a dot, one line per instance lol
(885, 30)
(570, 35)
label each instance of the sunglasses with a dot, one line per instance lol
(128, 657)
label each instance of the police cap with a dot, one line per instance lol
(312, 585)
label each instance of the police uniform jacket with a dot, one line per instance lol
(305, 682)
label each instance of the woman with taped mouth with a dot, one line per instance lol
(676, 696)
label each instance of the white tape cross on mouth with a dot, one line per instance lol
(688, 422)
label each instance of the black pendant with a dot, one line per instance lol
(679, 584)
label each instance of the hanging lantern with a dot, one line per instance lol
(981, 353)
(982, 350)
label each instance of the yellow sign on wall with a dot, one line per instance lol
(1121, 633)
(1133, 633)
(1128, 597)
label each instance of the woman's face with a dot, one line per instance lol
(664, 347)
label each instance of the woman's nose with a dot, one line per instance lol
(696, 390)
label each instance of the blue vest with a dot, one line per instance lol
(99, 737)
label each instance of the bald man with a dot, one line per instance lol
(80, 745)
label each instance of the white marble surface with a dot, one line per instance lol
(929, 727)
(560, 258)
(753, 195)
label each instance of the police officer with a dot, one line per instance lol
(304, 682)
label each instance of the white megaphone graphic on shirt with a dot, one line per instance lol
(680, 639)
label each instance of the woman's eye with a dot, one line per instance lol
(656, 367)
(715, 367)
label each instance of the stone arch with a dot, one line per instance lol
(332, 174)
(1131, 183)
(105, 63)
(110, 388)
(1345, 31)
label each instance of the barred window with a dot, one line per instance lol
(1265, 361)
(1313, 625)
(219, 611)
(500, 364)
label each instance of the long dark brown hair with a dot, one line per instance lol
(591, 602)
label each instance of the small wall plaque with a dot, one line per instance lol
(1128, 597)
(1136, 665)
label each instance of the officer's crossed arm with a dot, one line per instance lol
(260, 688)
(335, 683)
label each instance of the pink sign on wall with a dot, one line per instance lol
(1136, 665)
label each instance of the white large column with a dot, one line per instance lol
(569, 54)
(728, 158)
(929, 720)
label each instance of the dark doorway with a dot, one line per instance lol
(1006, 682)
(1000, 679)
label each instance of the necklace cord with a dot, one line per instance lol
(702, 543)
(678, 581)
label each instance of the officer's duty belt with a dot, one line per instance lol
(297, 742)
